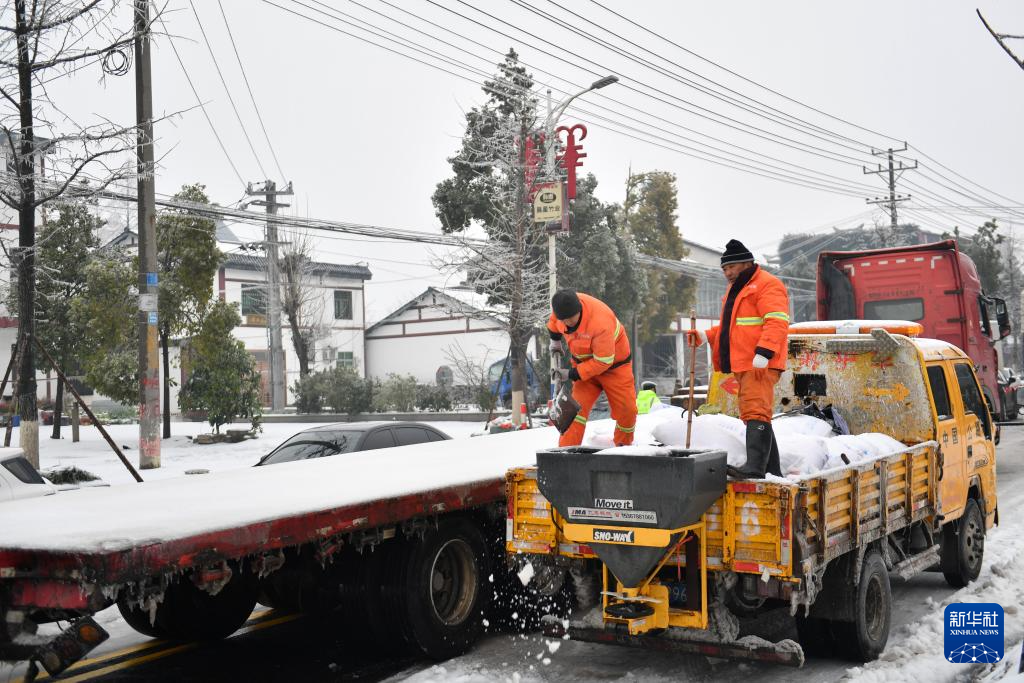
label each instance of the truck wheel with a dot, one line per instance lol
(190, 613)
(865, 637)
(447, 589)
(139, 619)
(963, 546)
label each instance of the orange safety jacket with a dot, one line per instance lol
(759, 321)
(599, 340)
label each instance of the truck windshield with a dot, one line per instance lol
(316, 444)
(895, 309)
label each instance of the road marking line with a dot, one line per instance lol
(130, 663)
(255, 619)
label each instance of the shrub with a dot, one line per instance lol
(397, 392)
(433, 397)
(309, 393)
(346, 392)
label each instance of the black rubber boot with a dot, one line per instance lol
(774, 464)
(760, 448)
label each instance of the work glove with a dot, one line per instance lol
(565, 375)
(696, 338)
(555, 347)
(760, 362)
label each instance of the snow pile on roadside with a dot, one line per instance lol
(915, 651)
(807, 444)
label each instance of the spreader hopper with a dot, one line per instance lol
(631, 509)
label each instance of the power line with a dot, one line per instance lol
(741, 76)
(849, 188)
(667, 73)
(227, 91)
(202, 106)
(252, 98)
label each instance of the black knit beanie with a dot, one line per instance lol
(565, 304)
(735, 252)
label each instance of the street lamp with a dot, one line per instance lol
(549, 163)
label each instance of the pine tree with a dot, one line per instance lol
(649, 214)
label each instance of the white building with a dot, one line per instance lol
(422, 337)
(339, 314)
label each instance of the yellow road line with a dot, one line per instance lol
(131, 662)
(89, 675)
(256, 617)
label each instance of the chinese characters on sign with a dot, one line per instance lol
(572, 157)
(974, 633)
(547, 204)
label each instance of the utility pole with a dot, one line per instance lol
(276, 355)
(149, 367)
(893, 198)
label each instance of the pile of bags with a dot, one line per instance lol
(808, 444)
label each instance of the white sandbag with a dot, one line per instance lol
(883, 443)
(801, 454)
(710, 432)
(801, 424)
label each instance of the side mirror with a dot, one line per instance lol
(1002, 318)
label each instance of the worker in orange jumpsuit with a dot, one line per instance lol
(601, 361)
(751, 342)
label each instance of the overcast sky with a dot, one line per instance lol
(364, 133)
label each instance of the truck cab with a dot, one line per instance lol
(936, 285)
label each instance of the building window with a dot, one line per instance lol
(346, 359)
(254, 300)
(342, 304)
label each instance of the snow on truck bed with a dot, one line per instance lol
(129, 515)
(118, 518)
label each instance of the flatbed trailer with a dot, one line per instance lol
(407, 538)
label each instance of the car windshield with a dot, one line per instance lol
(318, 444)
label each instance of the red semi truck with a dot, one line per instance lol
(936, 285)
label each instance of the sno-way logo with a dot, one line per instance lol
(974, 632)
(644, 516)
(612, 536)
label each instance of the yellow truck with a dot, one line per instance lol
(669, 551)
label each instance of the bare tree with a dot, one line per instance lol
(472, 376)
(1001, 38)
(302, 298)
(40, 42)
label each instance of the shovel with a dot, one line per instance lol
(564, 407)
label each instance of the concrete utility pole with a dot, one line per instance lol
(893, 198)
(278, 387)
(149, 365)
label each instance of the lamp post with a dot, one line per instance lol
(549, 163)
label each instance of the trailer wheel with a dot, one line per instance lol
(963, 546)
(190, 613)
(447, 588)
(865, 637)
(139, 620)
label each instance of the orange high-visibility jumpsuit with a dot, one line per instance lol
(759, 323)
(600, 353)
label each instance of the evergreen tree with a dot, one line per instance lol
(597, 258)
(107, 313)
(187, 258)
(63, 252)
(488, 189)
(224, 381)
(985, 249)
(649, 214)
